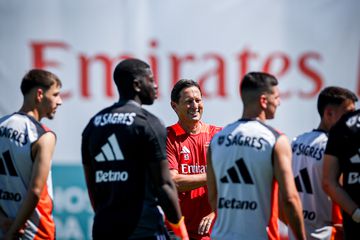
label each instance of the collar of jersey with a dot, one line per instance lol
(132, 102)
(180, 131)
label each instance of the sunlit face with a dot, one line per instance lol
(337, 111)
(190, 106)
(273, 101)
(149, 88)
(50, 101)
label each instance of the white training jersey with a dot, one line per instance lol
(18, 132)
(307, 162)
(246, 188)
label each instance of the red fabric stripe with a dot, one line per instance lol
(273, 229)
(46, 228)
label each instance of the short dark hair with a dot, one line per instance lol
(180, 85)
(38, 78)
(333, 96)
(126, 72)
(256, 83)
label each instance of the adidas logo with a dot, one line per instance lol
(233, 175)
(184, 150)
(110, 151)
(8, 162)
(304, 176)
(356, 157)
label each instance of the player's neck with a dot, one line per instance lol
(31, 112)
(323, 127)
(251, 113)
(191, 128)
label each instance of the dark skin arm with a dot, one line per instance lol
(332, 187)
(88, 177)
(160, 175)
(89, 184)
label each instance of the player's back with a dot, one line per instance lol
(122, 141)
(307, 164)
(344, 144)
(18, 132)
(247, 191)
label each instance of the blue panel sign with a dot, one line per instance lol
(72, 209)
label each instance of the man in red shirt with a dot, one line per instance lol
(186, 146)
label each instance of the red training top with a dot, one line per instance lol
(187, 154)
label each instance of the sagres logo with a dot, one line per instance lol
(221, 140)
(110, 151)
(7, 161)
(234, 173)
(305, 179)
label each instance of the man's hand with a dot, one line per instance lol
(206, 223)
(5, 226)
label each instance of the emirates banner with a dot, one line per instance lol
(306, 44)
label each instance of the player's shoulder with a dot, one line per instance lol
(311, 135)
(221, 131)
(36, 126)
(174, 130)
(275, 132)
(171, 128)
(90, 123)
(149, 116)
(349, 120)
(214, 129)
(209, 128)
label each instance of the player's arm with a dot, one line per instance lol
(166, 189)
(42, 152)
(182, 182)
(185, 182)
(5, 222)
(289, 195)
(87, 171)
(211, 182)
(207, 221)
(167, 195)
(282, 215)
(331, 185)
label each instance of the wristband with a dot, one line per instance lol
(179, 229)
(356, 215)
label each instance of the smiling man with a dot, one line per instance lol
(186, 146)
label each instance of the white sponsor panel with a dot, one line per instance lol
(307, 44)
